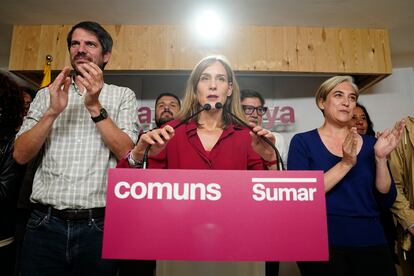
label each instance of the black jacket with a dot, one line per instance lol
(11, 175)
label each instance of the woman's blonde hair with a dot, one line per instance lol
(190, 103)
(329, 84)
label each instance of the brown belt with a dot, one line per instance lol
(71, 214)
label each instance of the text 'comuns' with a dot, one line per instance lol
(165, 190)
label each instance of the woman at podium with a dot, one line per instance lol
(206, 135)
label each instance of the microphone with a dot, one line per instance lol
(206, 107)
(279, 163)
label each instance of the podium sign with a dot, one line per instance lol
(215, 215)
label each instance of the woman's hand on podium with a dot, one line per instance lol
(157, 138)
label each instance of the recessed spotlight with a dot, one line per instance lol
(209, 26)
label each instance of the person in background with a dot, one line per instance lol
(402, 168)
(362, 121)
(83, 126)
(356, 178)
(167, 106)
(11, 110)
(253, 105)
(28, 95)
(23, 202)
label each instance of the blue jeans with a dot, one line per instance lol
(64, 247)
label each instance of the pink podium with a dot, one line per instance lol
(214, 215)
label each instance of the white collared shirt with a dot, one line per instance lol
(73, 171)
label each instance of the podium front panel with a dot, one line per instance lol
(215, 215)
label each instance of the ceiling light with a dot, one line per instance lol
(209, 26)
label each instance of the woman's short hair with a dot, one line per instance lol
(329, 84)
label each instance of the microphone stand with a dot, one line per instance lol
(147, 149)
(279, 163)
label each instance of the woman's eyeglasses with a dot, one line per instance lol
(249, 109)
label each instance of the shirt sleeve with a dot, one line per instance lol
(123, 163)
(401, 207)
(387, 200)
(254, 161)
(37, 108)
(281, 146)
(127, 119)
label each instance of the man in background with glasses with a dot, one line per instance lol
(254, 108)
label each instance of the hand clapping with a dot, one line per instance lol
(388, 140)
(349, 147)
(59, 89)
(91, 77)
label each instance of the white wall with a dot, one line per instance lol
(391, 99)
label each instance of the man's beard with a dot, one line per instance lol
(162, 121)
(74, 64)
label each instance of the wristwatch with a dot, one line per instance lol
(102, 116)
(132, 162)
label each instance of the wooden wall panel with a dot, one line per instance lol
(250, 48)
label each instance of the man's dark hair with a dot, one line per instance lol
(103, 36)
(29, 91)
(250, 93)
(11, 106)
(167, 94)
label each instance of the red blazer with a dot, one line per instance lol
(233, 151)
